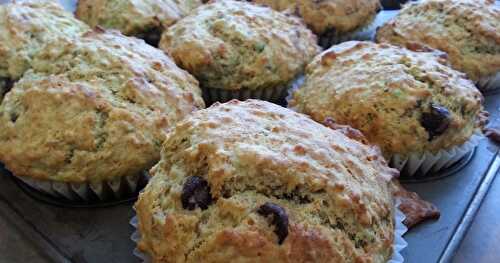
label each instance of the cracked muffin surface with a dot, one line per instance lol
(93, 109)
(142, 18)
(321, 16)
(467, 30)
(403, 101)
(26, 26)
(234, 45)
(254, 182)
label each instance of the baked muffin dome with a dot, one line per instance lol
(25, 27)
(228, 170)
(142, 18)
(403, 101)
(467, 30)
(341, 16)
(234, 45)
(93, 109)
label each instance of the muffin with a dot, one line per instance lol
(145, 19)
(467, 30)
(25, 27)
(254, 182)
(240, 50)
(333, 21)
(408, 103)
(92, 114)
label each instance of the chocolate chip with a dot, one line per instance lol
(196, 193)
(436, 121)
(392, 4)
(279, 219)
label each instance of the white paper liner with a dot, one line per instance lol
(399, 242)
(107, 190)
(489, 83)
(220, 95)
(428, 163)
(276, 94)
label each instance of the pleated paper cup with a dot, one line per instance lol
(275, 94)
(399, 242)
(115, 189)
(418, 166)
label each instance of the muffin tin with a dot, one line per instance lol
(65, 234)
(47, 230)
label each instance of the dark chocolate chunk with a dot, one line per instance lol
(436, 121)
(279, 219)
(196, 193)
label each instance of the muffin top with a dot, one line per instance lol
(93, 109)
(135, 17)
(468, 30)
(322, 16)
(233, 45)
(254, 182)
(403, 101)
(26, 26)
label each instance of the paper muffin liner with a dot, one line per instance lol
(276, 94)
(220, 95)
(418, 166)
(399, 242)
(115, 189)
(490, 83)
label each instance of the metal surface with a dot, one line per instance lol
(33, 231)
(482, 241)
(470, 213)
(458, 197)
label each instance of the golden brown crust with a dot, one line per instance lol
(392, 89)
(25, 26)
(236, 45)
(468, 30)
(415, 209)
(93, 109)
(322, 16)
(333, 189)
(134, 17)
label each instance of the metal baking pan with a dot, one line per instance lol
(35, 229)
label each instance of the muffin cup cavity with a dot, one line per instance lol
(420, 166)
(398, 245)
(489, 83)
(116, 189)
